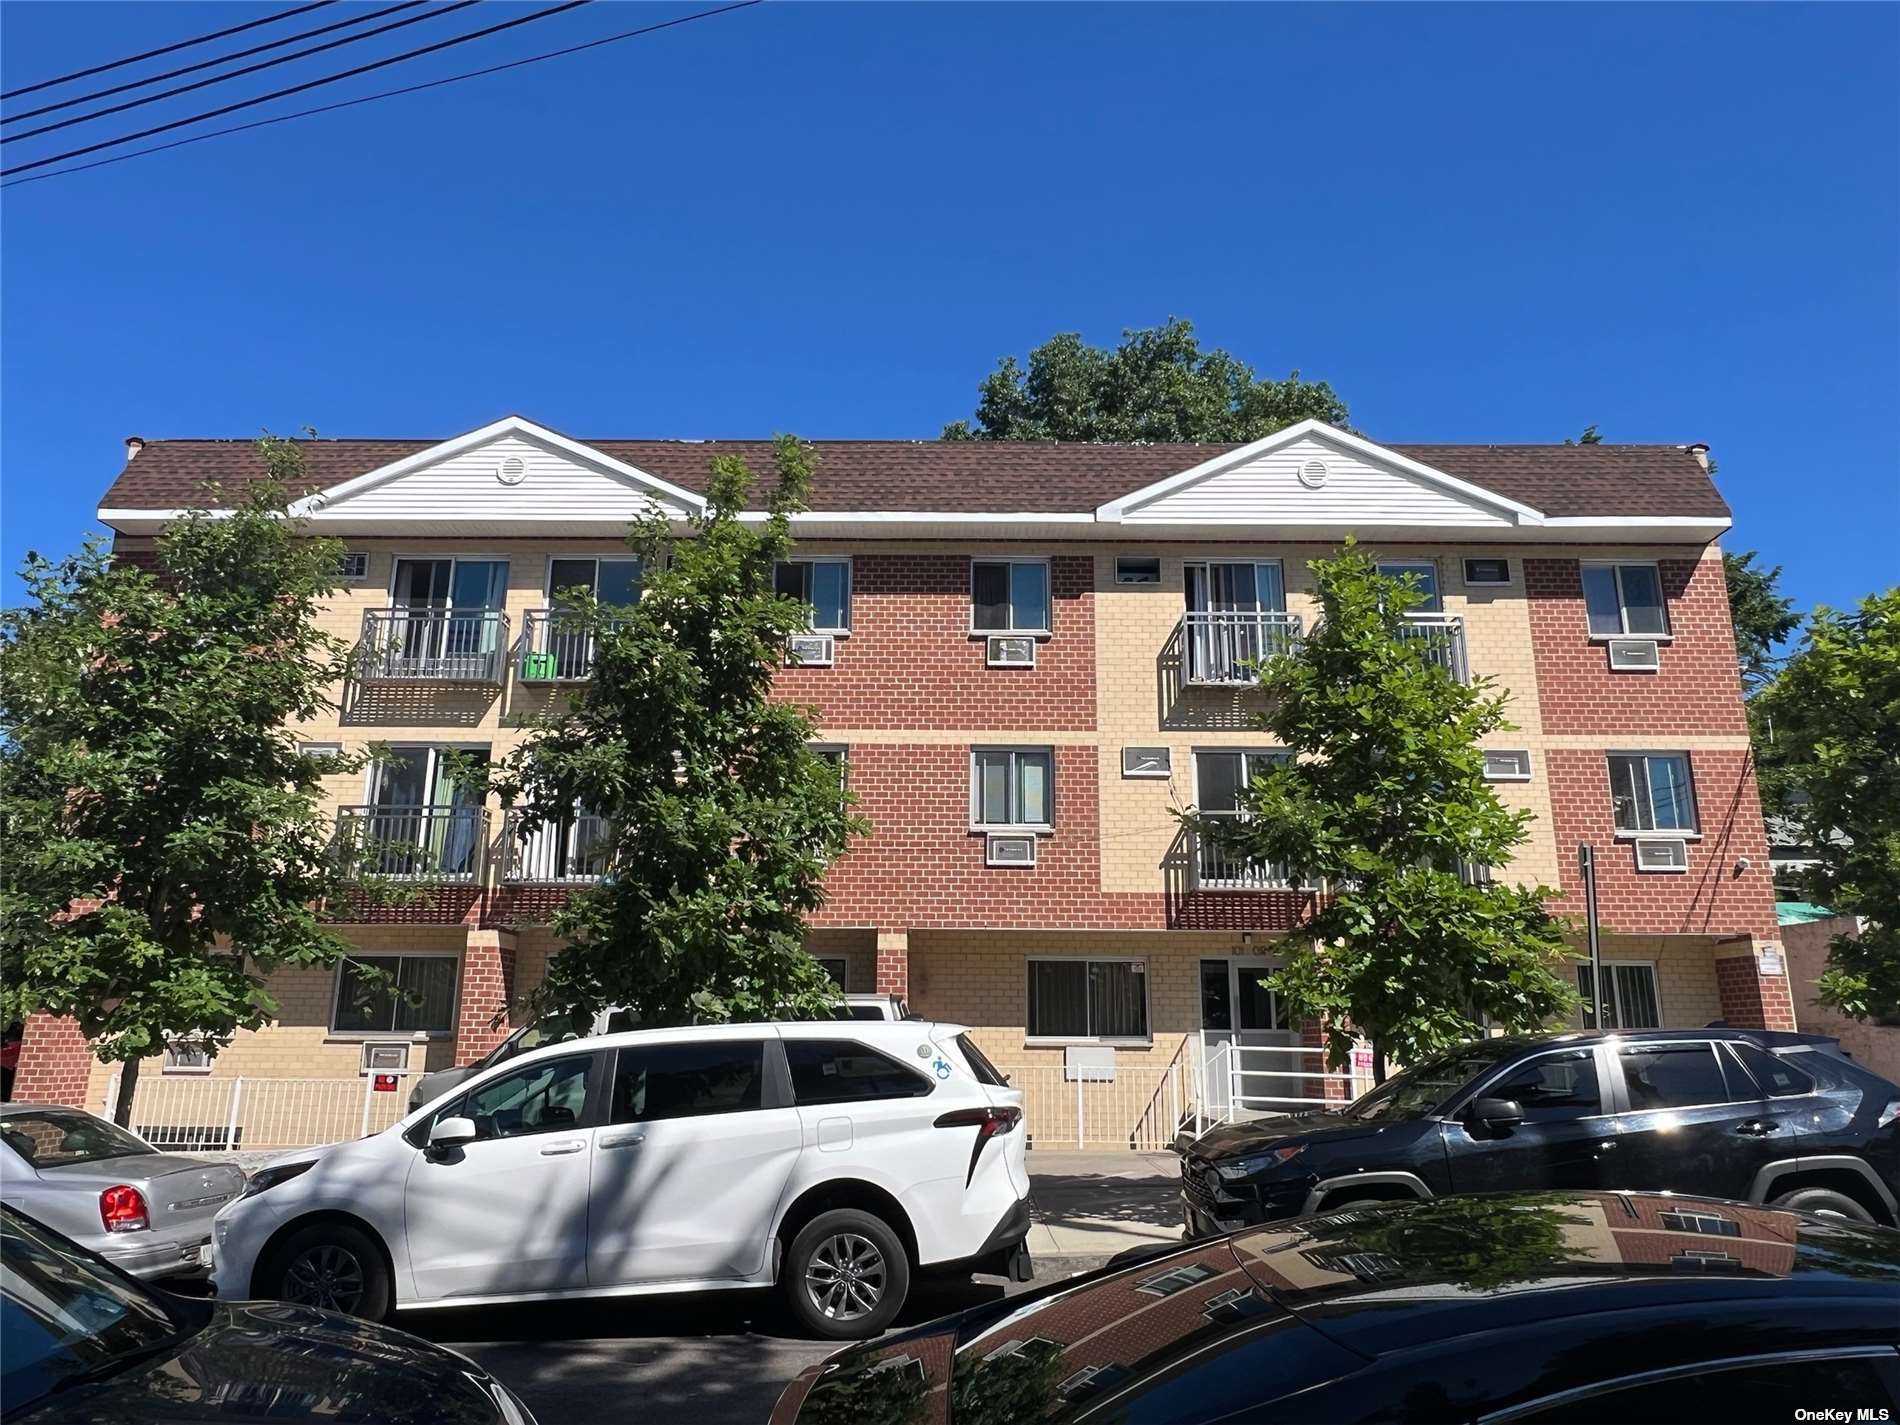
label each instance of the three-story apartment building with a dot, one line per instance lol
(1028, 657)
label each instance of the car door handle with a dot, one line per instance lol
(1757, 1128)
(624, 1140)
(555, 1150)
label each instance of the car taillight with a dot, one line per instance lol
(122, 1209)
(987, 1121)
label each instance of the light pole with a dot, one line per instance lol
(1587, 863)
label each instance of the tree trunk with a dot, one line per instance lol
(128, 1088)
(1378, 1063)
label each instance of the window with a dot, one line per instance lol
(1624, 600)
(1631, 1002)
(1706, 1224)
(1423, 575)
(1782, 1388)
(1147, 762)
(352, 564)
(542, 1098)
(1221, 779)
(1554, 1087)
(395, 994)
(688, 1080)
(1659, 1076)
(834, 965)
(320, 749)
(836, 754)
(1137, 569)
(1652, 792)
(1175, 1279)
(1088, 999)
(823, 586)
(1009, 596)
(1507, 766)
(186, 1056)
(1487, 571)
(614, 582)
(1012, 787)
(56, 1137)
(1774, 1076)
(838, 1071)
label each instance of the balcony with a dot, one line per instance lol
(571, 851)
(432, 646)
(1224, 650)
(1441, 638)
(557, 647)
(1218, 869)
(440, 845)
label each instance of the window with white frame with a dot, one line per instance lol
(1221, 780)
(1009, 596)
(395, 994)
(836, 754)
(614, 582)
(1652, 794)
(1706, 1224)
(1137, 569)
(1422, 574)
(1506, 766)
(187, 1056)
(1088, 999)
(1625, 601)
(823, 586)
(1631, 1001)
(1012, 787)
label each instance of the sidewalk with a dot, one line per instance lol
(1090, 1207)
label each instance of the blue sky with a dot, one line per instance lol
(1489, 223)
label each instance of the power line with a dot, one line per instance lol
(209, 63)
(387, 93)
(166, 49)
(547, 14)
(239, 73)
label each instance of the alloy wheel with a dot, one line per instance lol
(328, 1276)
(846, 1276)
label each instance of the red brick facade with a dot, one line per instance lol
(55, 1062)
(488, 985)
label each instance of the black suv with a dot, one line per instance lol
(1745, 1114)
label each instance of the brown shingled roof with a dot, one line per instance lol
(986, 476)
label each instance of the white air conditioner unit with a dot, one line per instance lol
(813, 649)
(1635, 655)
(387, 1057)
(1662, 853)
(1012, 652)
(1012, 850)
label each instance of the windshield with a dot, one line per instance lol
(529, 1036)
(1425, 1086)
(66, 1318)
(49, 1138)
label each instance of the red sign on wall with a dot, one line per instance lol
(385, 1083)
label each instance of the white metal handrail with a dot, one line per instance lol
(203, 1113)
(571, 850)
(432, 645)
(1225, 649)
(1217, 868)
(420, 843)
(1441, 638)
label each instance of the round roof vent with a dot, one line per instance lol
(512, 470)
(1313, 474)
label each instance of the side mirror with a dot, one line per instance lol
(451, 1133)
(1497, 1112)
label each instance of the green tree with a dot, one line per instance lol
(1157, 385)
(720, 819)
(1384, 796)
(1762, 616)
(1832, 722)
(1481, 1243)
(166, 847)
(1590, 436)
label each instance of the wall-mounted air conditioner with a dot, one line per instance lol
(809, 650)
(1661, 853)
(1635, 655)
(1009, 850)
(1012, 652)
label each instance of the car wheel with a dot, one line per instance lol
(846, 1275)
(1823, 1202)
(332, 1266)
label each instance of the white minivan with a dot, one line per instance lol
(832, 1158)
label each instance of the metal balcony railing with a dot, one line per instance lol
(572, 850)
(417, 843)
(1218, 869)
(1441, 637)
(557, 647)
(433, 645)
(1226, 649)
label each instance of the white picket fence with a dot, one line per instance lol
(214, 1115)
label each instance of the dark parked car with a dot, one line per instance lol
(82, 1343)
(1776, 1118)
(1625, 1307)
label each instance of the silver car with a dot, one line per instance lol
(148, 1213)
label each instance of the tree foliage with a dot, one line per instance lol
(721, 820)
(1157, 385)
(1831, 721)
(1762, 615)
(166, 847)
(1385, 798)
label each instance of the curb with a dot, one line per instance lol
(1058, 1268)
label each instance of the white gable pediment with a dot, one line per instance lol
(511, 472)
(1313, 475)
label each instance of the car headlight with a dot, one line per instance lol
(264, 1179)
(1236, 1168)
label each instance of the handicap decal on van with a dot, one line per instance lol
(942, 1066)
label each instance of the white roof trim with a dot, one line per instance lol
(507, 425)
(1114, 511)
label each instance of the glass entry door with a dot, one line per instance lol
(1232, 618)
(416, 803)
(453, 626)
(1238, 1009)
